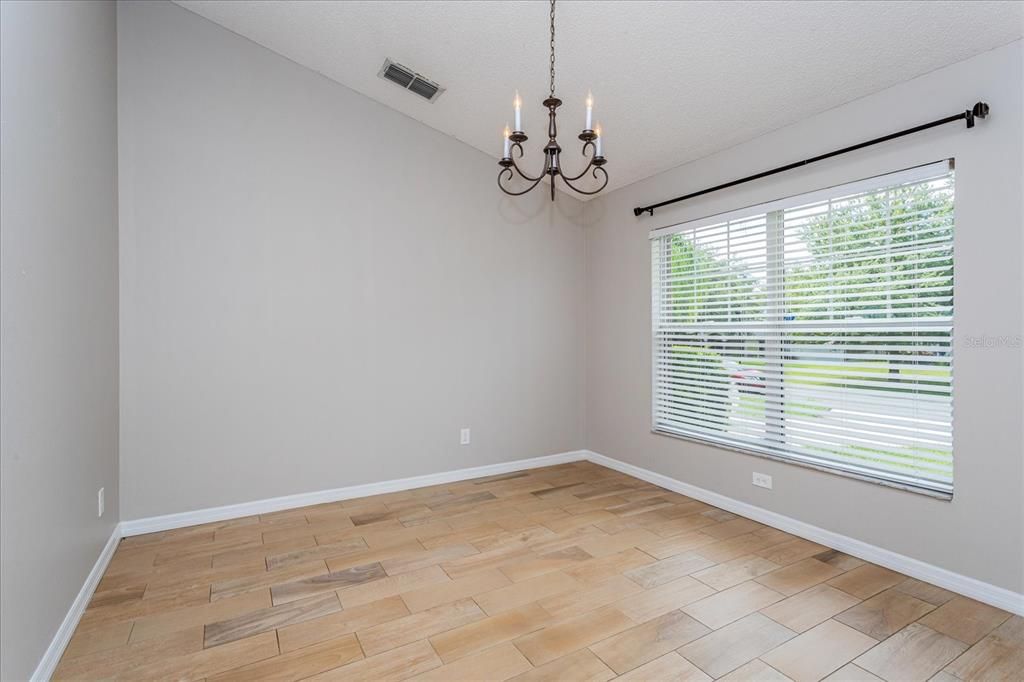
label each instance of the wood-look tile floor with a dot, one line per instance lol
(570, 572)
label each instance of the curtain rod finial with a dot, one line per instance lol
(979, 110)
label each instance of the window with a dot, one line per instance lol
(815, 329)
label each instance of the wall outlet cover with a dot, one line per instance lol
(762, 480)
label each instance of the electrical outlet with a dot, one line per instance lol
(762, 480)
(99, 503)
(464, 437)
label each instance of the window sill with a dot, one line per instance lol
(927, 492)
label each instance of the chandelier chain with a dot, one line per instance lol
(552, 48)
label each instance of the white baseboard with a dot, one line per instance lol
(970, 587)
(51, 658)
(234, 511)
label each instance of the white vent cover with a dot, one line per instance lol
(410, 80)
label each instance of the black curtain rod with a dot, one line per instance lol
(979, 110)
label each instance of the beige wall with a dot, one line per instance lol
(980, 533)
(318, 291)
(58, 370)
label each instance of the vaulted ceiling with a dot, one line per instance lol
(672, 81)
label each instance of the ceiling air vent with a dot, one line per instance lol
(410, 80)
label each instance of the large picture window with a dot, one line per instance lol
(815, 329)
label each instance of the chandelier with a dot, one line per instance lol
(513, 143)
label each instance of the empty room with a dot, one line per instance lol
(512, 340)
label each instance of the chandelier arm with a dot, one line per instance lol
(589, 164)
(594, 173)
(572, 178)
(510, 176)
(523, 175)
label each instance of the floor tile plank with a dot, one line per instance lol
(565, 637)
(798, 576)
(885, 613)
(513, 595)
(496, 664)
(599, 569)
(818, 652)
(668, 668)
(474, 637)
(803, 611)
(999, 656)
(866, 581)
(581, 666)
(925, 591)
(298, 664)
(271, 618)
(659, 600)
(914, 653)
(667, 570)
(965, 619)
(397, 664)
(391, 586)
(108, 636)
(741, 569)
(755, 671)
(474, 585)
(732, 604)
(338, 624)
(283, 593)
(650, 640)
(161, 624)
(578, 602)
(736, 644)
(853, 673)
(417, 626)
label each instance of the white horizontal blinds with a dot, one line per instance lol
(820, 330)
(710, 319)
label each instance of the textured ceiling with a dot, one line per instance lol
(672, 81)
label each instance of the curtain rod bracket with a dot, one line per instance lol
(979, 110)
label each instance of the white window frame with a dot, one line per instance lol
(774, 238)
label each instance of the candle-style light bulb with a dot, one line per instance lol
(508, 142)
(590, 111)
(518, 104)
(597, 140)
